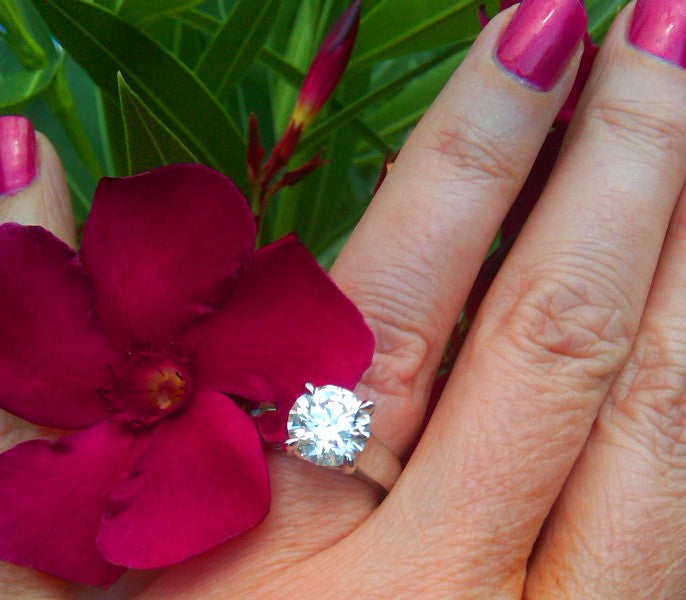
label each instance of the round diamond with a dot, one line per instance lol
(328, 426)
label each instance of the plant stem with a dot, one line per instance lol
(58, 93)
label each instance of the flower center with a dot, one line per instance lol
(150, 386)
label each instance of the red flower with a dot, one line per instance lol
(140, 342)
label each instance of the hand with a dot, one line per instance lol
(555, 463)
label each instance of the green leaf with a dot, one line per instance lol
(397, 27)
(141, 12)
(234, 47)
(405, 108)
(601, 15)
(201, 21)
(353, 109)
(299, 51)
(149, 143)
(104, 45)
(112, 135)
(22, 86)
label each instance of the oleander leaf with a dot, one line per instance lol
(397, 27)
(353, 109)
(149, 143)
(233, 49)
(22, 86)
(104, 44)
(141, 12)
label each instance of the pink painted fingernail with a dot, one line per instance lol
(541, 39)
(17, 153)
(659, 27)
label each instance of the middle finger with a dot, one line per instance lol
(553, 332)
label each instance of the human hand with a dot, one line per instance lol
(566, 404)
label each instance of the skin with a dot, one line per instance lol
(555, 464)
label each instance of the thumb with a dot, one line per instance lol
(33, 187)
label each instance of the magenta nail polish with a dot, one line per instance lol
(17, 153)
(659, 27)
(541, 39)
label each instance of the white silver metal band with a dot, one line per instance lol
(377, 465)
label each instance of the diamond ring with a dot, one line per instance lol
(331, 427)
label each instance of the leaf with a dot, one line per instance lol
(353, 109)
(396, 27)
(406, 107)
(22, 86)
(601, 15)
(234, 47)
(299, 51)
(149, 143)
(141, 12)
(104, 45)
(201, 21)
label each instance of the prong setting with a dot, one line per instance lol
(348, 466)
(368, 407)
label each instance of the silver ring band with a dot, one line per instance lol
(377, 466)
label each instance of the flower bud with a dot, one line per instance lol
(327, 67)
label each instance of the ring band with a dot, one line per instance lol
(377, 466)
(330, 427)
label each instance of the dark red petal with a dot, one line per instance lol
(285, 325)
(203, 480)
(52, 498)
(53, 353)
(163, 248)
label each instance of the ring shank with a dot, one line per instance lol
(377, 465)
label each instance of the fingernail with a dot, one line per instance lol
(541, 39)
(659, 27)
(17, 154)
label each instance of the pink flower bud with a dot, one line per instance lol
(328, 66)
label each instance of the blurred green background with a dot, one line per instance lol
(123, 85)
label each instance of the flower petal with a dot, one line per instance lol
(53, 495)
(286, 324)
(164, 247)
(202, 481)
(53, 353)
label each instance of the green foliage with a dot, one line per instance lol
(163, 81)
(149, 143)
(22, 86)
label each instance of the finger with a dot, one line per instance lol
(33, 187)
(411, 261)
(33, 191)
(553, 332)
(619, 527)
(409, 266)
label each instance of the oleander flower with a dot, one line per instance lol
(153, 342)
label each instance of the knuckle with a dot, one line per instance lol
(570, 320)
(640, 124)
(469, 152)
(652, 407)
(406, 327)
